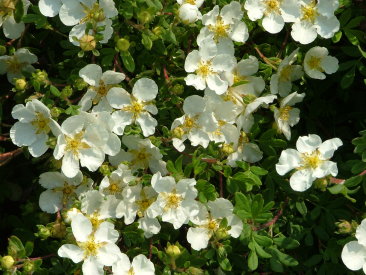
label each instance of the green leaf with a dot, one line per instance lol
(128, 61)
(262, 240)
(28, 248)
(55, 91)
(286, 242)
(16, 248)
(253, 260)
(242, 202)
(146, 41)
(348, 78)
(258, 170)
(355, 22)
(19, 11)
(38, 19)
(301, 207)
(283, 258)
(225, 264)
(260, 251)
(354, 181)
(337, 37)
(276, 266)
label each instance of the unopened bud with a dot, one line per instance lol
(123, 44)
(40, 76)
(7, 262)
(158, 30)
(43, 232)
(178, 132)
(321, 184)
(87, 42)
(20, 84)
(28, 266)
(55, 112)
(178, 89)
(344, 227)
(173, 251)
(195, 271)
(58, 230)
(80, 84)
(221, 233)
(66, 92)
(51, 142)
(227, 149)
(2, 50)
(104, 169)
(144, 16)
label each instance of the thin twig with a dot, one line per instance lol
(221, 186)
(341, 181)
(265, 59)
(6, 157)
(275, 218)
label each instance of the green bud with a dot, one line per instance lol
(58, 229)
(80, 84)
(178, 132)
(346, 227)
(221, 251)
(7, 262)
(2, 50)
(144, 16)
(227, 149)
(43, 232)
(20, 84)
(195, 271)
(178, 89)
(66, 92)
(173, 251)
(104, 169)
(51, 142)
(321, 184)
(28, 266)
(158, 30)
(56, 112)
(221, 233)
(123, 44)
(87, 42)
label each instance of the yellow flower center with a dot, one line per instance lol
(74, 144)
(243, 138)
(227, 149)
(220, 29)
(136, 108)
(114, 188)
(131, 271)
(309, 12)
(94, 14)
(239, 78)
(68, 189)
(204, 69)
(178, 132)
(314, 63)
(90, 247)
(14, 66)
(285, 113)
(311, 160)
(7, 7)
(140, 157)
(212, 225)
(172, 200)
(231, 95)
(272, 6)
(143, 204)
(101, 91)
(192, 2)
(285, 74)
(95, 220)
(41, 123)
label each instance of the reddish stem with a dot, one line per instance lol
(275, 218)
(6, 157)
(166, 75)
(221, 186)
(150, 249)
(340, 181)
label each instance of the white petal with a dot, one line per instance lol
(39, 147)
(208, 49)
(329, 64)
(236, 226)
(109, 8)
(71, 12)
(232, 11)
(303, 32)
(142, 265)
(147, 123)
(23, 134)
(354, 255)
(308, 144)
(193, 105)
(361, 233)
(12, 29)
(50, 201)
(91, 266)
(273, 23)
(91, 158)
(249, 66)
(149, 225)
(111, 77)
(289, 160)
(145, 89)
(198, 238)
(118, 98)
(192, 61)
(196, 81)
(70, 165)
(49, 8)
(302, 180)
(215, 83)
(327, 26)
(220, 208)
(91, 74)
(73, 252)
(328, 147)
(121, 119)
(108, 254)
(81, 227)
(255, 9)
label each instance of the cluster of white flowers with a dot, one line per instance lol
(79, 14)
(309, 17)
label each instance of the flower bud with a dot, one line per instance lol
(7, 262)
(144, 16)
(173, 251)
(123, 44)
(221, 233)
(41, 77)
(2, 50)
(80, 84)
(43, 232)
(346, 227)
(58, 230)
(28, 266)
(20, 84)
(51, 142)
(227, 149)
(321, 184)
(178, 89)
(195, 271)
(104, 169)
(178, 132)
(87, 42)
(55, 112)
(158, 30)
(66, 92)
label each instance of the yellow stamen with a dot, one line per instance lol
(95, 13)
(220, 29)
(285, 74)
(136, 108)
(41, 123)
(172, 200)
(204, 69)
(309, 12)
(74, 144)
(285, 113)
(311, 160)
(7, 7)
(314, 63)
(272, 6)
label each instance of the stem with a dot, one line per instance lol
(6, 157)
(341, 181)
(221, 186)
(150, 248)
(275, 218)
(265, 59)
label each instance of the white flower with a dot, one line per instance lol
(136, 201)
(281, 81)
(80, 141)
(354, 252)
(192, 125)
(205, 65)
(286, 116)
(15, 64)
(176, 202)
(79, 31)
(117, 181)
(11, 28)
(61, 190)
(135, 107)
(317, 61)
(243, 150)
(74, 12)
(34, 125)
(317, 17)
(141, 154)
(274, 12)
(224, 25)
(188, 11)
(140, 266)
(311, 160)
(100, 84)
(49, 8)
(96, 248)
(208, 221)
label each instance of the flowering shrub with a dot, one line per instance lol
(157, 137)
